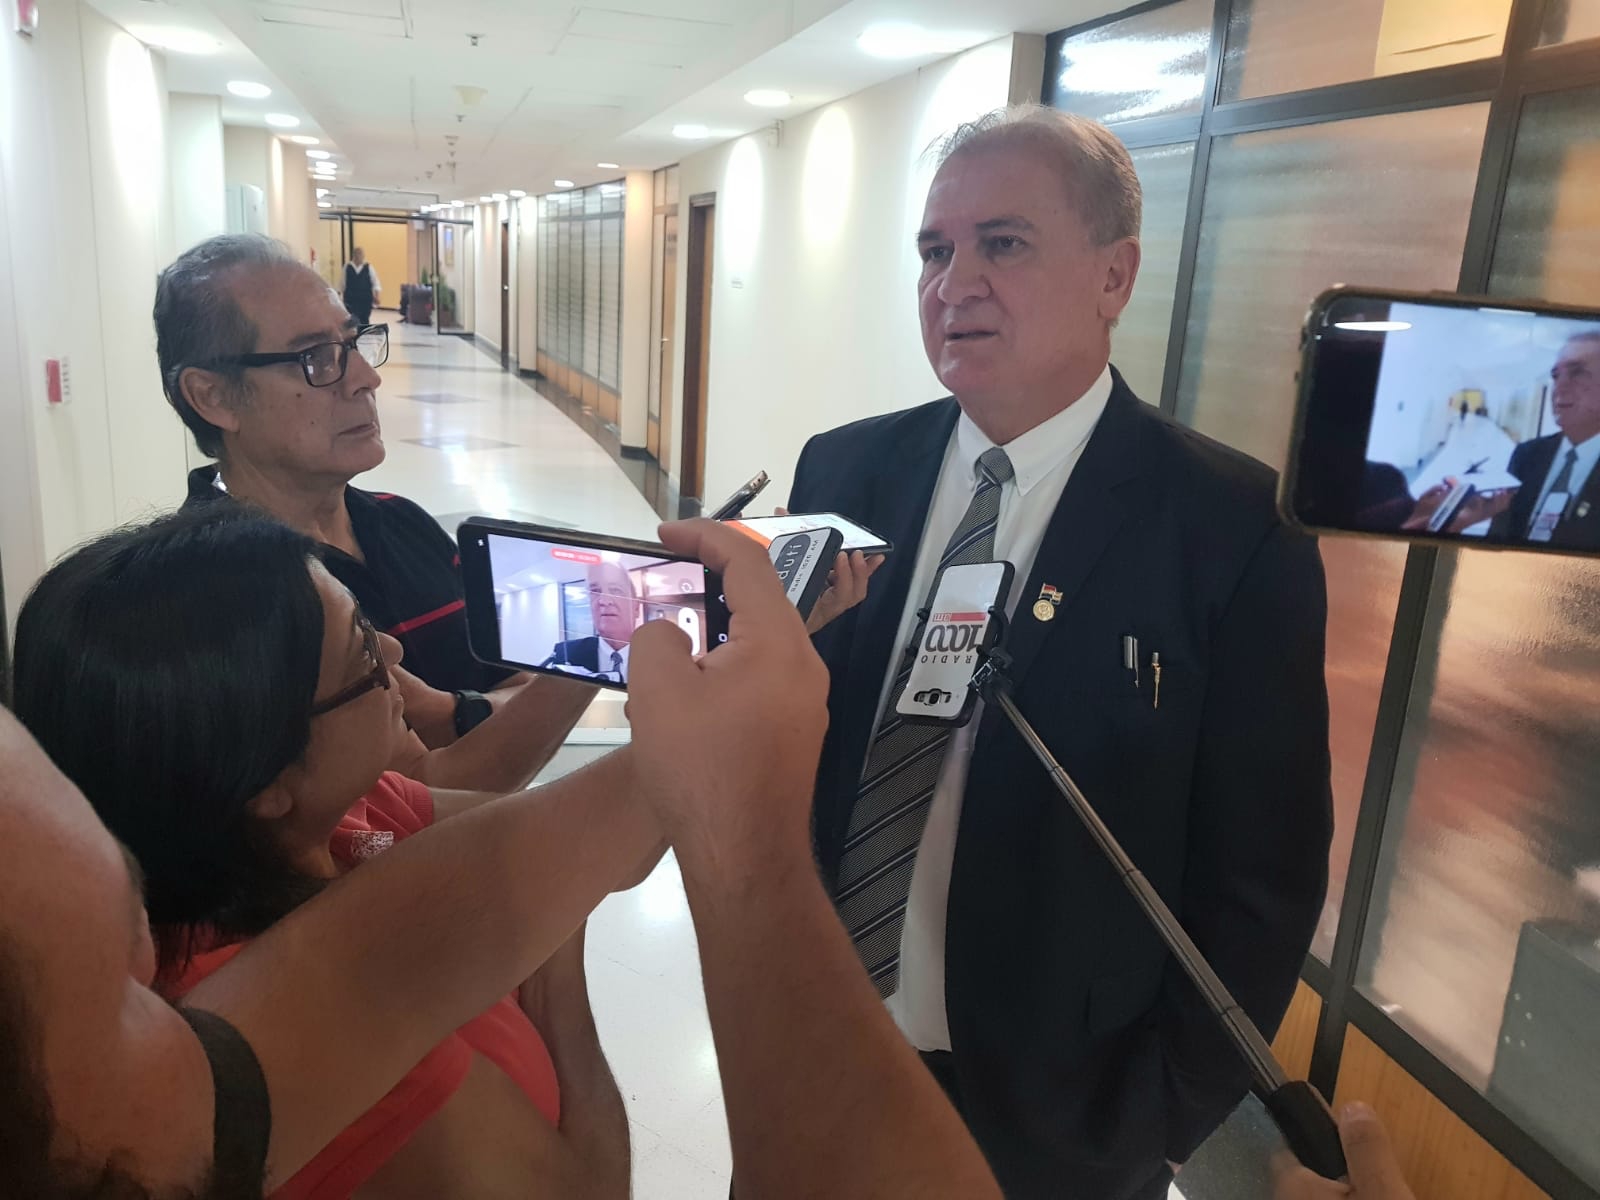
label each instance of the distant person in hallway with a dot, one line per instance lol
(362, 288)
(614, 605)
(1558, 503)
(1167, 632)
(278, 383)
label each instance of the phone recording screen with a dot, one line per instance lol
(1456, 422)
(574, 608)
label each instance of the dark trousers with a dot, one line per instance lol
(361, 312)
(941, 1065)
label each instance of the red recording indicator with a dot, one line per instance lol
(578, 556)
(958, 618)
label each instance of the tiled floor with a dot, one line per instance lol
(464, 437)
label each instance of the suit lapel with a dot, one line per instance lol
(1093, 506)
(901, 495)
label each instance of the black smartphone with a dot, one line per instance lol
(803, 561)
(567, 603)
(856, 537)
(1461, 419)
(740, 500)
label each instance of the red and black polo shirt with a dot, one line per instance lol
(409, 587)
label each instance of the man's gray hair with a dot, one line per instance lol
(199, 323)
(1585, 335)
(1092, 161)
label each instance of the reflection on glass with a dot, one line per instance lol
(1380, 200)
(1149, 65)
(1139, 346)
(1277, 46)
(1485, 932)
(1570, 21)
(1363, 589)
(1375, 201)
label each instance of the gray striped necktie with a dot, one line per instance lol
(902, 770)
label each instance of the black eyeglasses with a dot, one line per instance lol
(323, 364)
(377, 677)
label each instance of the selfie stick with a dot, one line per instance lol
(1294, 1105)
(957, 658)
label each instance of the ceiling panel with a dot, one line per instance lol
(631, 27)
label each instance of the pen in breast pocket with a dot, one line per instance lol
(1130, 656)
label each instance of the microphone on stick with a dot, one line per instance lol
(959, 658)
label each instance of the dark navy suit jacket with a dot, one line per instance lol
(1084, 1057)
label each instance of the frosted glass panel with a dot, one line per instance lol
(591, 296)
(1484, 938)
(1149, 65)
(1139, 345)
(1570, 21)
(1380, 201)
(611, 299)
(1277, 46)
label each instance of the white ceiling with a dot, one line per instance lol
(409, 105)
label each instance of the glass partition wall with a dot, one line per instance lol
(1285, 145)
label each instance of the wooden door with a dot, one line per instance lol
(697, 344)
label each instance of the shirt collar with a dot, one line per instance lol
(1047, 445)
(1588, 452)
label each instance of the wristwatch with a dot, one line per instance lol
(472, 710)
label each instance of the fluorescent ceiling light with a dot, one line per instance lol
(305, 139)
(282, 120)
(179, 41)
(1373, 326)
(249, 91)
(498, 196)
(318, 154)
(321, 192)
(768, 98)
(608, 166)
(900, 39)
(564, 183)
(517, 193)
(458, 204)
(690, 133)
(324, 204)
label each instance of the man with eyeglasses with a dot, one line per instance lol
(278, 383)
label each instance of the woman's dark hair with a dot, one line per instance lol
(169, 670)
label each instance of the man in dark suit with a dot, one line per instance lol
(614, 606)
(1007, 949)
(1559, 500)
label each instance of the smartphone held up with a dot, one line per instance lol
(1448, 419)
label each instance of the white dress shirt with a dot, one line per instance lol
(1043, 460)
(1588, 453)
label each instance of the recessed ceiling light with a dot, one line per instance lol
(458, 204)
(768, 98)
(305, 139)
(485, 199)
(282, 120)
(249, 91)
(900, 39)
(517, 193)
(324, 204)
(318, 154)
(498, 196)
(608, 166)
(179, 41)
(564, 183)
(321, 192)
(690, 133)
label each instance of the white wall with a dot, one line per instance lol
(195, 165)
(82, 123)
(638, 229)
(813, 314)
(264, 160)
(525, 292)
(487, 282)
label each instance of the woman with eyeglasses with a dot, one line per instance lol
(228, 710)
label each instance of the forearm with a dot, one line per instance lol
(527, 728)
(475, 905)
(594, 1120)
(795, 1016)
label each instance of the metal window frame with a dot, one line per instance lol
(1521, 70)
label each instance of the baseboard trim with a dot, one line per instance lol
(636, 452)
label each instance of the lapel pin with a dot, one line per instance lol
(1583, 509)
(1044, 608)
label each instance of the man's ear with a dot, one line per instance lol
(1122, 269)
(207, 393)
